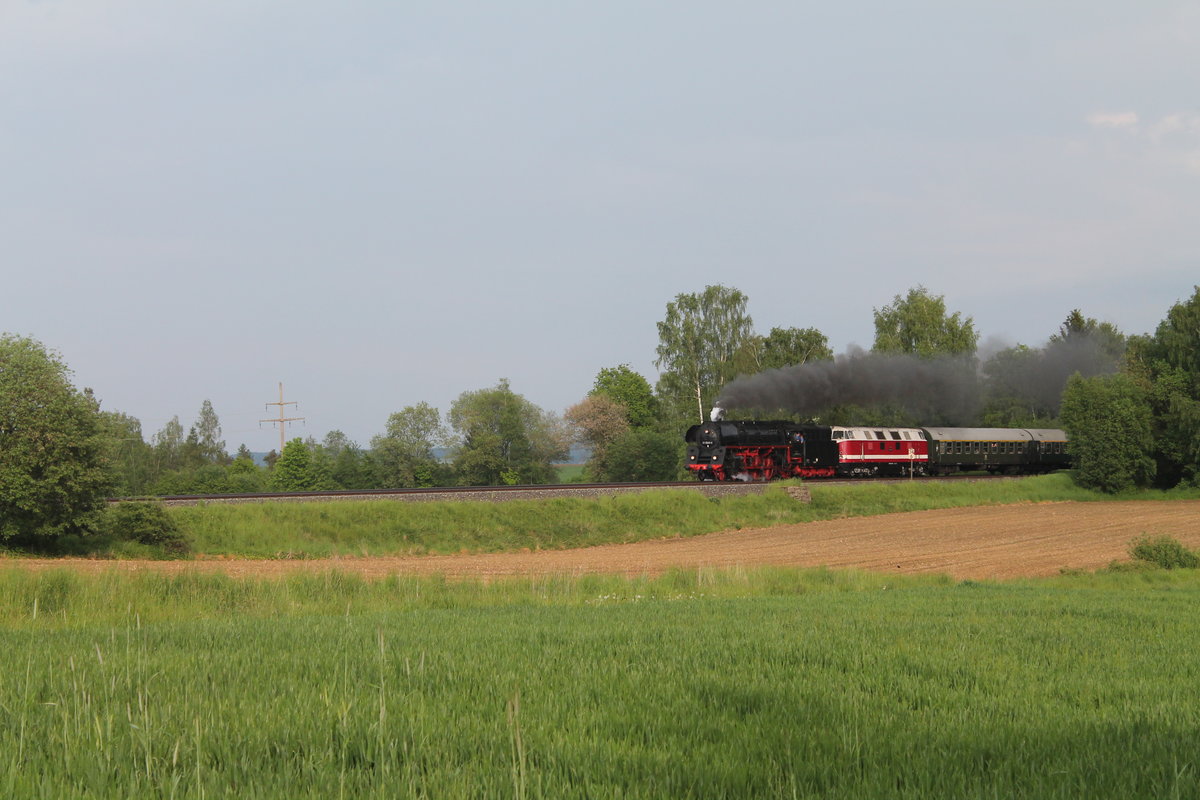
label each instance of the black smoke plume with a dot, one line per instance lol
(937, 391)
(940, 389)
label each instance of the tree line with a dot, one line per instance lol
(1130, 403)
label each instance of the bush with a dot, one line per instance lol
(1164, 551)
(146, 523)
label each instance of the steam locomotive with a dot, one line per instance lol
(750, 450)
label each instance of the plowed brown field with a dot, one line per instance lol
(995, 542)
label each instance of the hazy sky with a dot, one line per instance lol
(382, 203)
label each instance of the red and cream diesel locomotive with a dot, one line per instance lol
(750, 450)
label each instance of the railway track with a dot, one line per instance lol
(494, 494)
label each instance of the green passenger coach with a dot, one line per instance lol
(997, 450)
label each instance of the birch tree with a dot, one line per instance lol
(704, 341)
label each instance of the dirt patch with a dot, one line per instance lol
(977, 543)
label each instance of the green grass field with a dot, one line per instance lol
(767, 683)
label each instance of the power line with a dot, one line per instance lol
(281, 420)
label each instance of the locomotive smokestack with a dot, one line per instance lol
(717, 414)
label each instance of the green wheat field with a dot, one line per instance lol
(704, 684)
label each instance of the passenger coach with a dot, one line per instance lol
(996, 450)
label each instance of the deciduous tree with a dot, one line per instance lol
(918, 325)
(132, 458)
(704, 341)
(294, 472)
(629, 389)
(597, 421)
(1168, 364)
(1108, 420)
(788, 347)
(403, 455)
(54, 474)
(505, 439)
(350, 469)
(168, 446)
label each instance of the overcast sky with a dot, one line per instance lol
(382, 203)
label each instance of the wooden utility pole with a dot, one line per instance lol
(281, 420)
